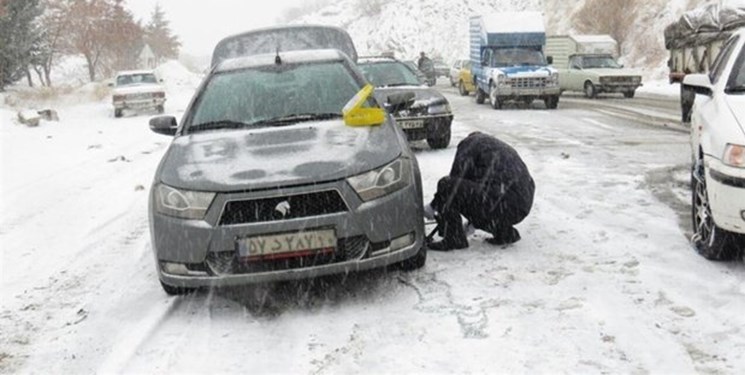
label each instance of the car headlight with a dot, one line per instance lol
(183, 204)
(734, 156)
(382, 181)
(502, 80)
(637, 80)
(553, 79)
(605, 80)
(439, 109)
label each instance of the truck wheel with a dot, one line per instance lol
(480, 96)
(160, 109)
(117, 113)
(493, 98)
(629, 94)
(462, 89)
(552, 102)
(590, 90)
(710, 241)
(442, 141)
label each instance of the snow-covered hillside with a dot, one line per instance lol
(440, 27)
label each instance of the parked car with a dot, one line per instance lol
(455, 71)
(137, 90)
(283, 167)
(595, 74)
(442, 69)
(718, 154)
(429, 117)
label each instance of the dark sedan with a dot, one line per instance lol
(429, 117)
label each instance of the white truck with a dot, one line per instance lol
(694, 41)
(587, 63)
(507, 60)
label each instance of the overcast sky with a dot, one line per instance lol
(200, 24)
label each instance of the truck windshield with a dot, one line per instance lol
(600, 62)
(517, 57)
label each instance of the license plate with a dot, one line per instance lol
(411, 124)
(287, 245)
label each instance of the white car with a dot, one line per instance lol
(455, 70)
(718, 151)
(137, 90)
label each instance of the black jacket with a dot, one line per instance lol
(498, 168)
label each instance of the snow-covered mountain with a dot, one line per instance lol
(440, 27)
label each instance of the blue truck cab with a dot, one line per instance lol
(507, 60)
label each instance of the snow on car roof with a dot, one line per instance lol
(134, 72)
(514, 22)
(375, 59)
(290, 57)
(593, 39)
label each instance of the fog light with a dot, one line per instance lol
(401, 242)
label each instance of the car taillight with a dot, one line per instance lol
(159, 95)
(119, 98)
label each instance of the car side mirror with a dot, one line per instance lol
(621, 66)
(399, 102)
(698, 83)
(550, 60)
(165, 125)
(161, 80)
(110, 84)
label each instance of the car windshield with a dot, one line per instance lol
(135, 79)
(518, 56)
(600, 62)
(388, 74)
(274, 95)
(736, 84)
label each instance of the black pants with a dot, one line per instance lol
(484, 209)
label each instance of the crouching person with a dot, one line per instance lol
(489, 185)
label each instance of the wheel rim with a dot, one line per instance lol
(588, 90)
(703, 222)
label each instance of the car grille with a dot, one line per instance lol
(618, 79)
(282, 208)
(527, 83)
(228, 263)
(139, 96)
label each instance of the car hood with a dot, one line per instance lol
(240, 160)
(527, 71)
(138, 89)
(736, 104)
(423, 95)
(608, 72)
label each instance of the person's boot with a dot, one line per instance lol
(504, 236)
(447, 245)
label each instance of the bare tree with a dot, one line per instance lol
(613, 17)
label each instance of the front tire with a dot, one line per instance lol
(117, 113)
(414, 263)
(629, 94)
(480, 96)
(494, 98)
(552, 102)
(439, 142)
(176, 290)
(590, 91)
(710, 241)
(160, 109)
(462, 89)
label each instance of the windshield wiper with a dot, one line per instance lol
(400, 84)
(221, 124)
(735, 89)
(296, 118)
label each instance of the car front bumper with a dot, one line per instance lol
(369, 234)
(418, 128)
(139, 104)
(617, 87)
(726, 188)
(511, 93)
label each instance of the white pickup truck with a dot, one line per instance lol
(587, 63)
(137, 90)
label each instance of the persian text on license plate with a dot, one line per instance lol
(411, 124)
(287, 245)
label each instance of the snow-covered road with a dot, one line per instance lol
(604, 279)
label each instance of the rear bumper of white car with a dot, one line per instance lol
(139, 103)
(726, 188)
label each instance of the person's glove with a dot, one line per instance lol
(429, 212)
